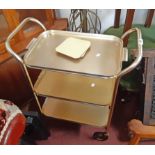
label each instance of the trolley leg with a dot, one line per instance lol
(30, 82)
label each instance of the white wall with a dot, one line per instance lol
(107, 16)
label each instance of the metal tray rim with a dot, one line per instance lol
(90, 35)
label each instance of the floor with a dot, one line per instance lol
(64, 132)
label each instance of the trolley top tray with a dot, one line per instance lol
(103, 58)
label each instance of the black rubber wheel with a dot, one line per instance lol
(101, 136)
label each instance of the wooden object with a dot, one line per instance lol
(149, 18)
(13, 83)
(13, 17)
(149, 75)
(117, 18)
(140, 131)
(149, 86)
(128, 21)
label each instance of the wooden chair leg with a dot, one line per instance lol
(128, 23)
(117, 18)
(149, 18)
(135, 140)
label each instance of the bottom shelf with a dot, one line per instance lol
(77, 112)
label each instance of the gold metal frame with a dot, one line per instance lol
(117, 76)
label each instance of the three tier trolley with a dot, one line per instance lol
(80, 90)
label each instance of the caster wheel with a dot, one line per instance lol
(101, 136)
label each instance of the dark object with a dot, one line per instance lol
(125, 96)
(101, 136)
(35, 128)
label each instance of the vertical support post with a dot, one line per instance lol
(117, 18)
(149, 18)
(128, 24)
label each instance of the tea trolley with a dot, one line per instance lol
(80, 90)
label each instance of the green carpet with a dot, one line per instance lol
(132, 81)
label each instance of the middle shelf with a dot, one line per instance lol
(76, 87)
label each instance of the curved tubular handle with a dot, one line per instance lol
(15, 31)
(140, 50)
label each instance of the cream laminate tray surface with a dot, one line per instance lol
(76, 112)
(76, 87)
(103, 58)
